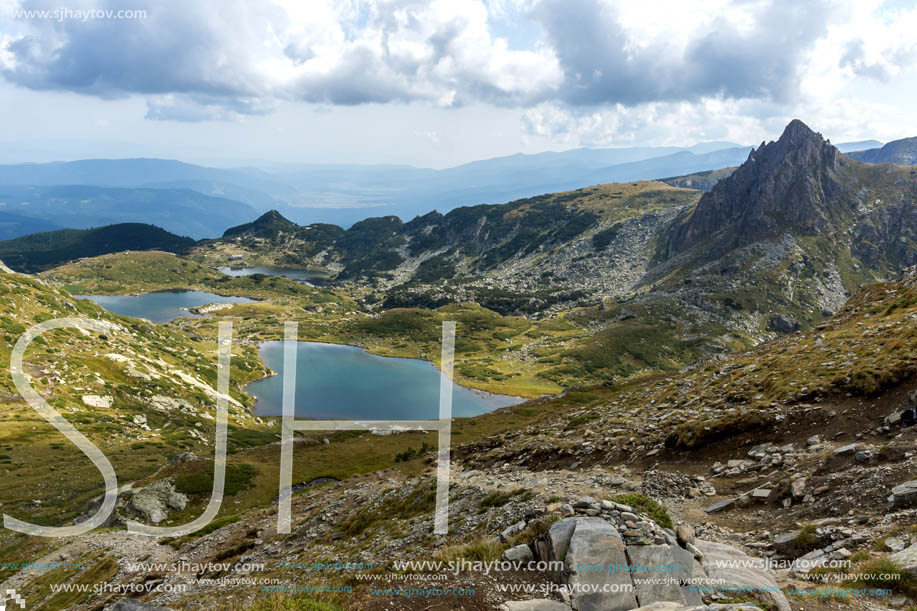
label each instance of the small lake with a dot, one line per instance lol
(301, 275)
(348, 383)
(160, 306)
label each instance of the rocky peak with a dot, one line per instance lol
(791, 185)
(267, 225)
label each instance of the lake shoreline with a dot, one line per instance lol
(477, 392)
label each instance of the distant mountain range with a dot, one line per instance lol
(202, 202)
(796, 213)
(181, 211)
(14, 225)
(778, 243)
(338, 194)
(899, 152)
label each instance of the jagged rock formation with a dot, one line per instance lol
(795, 184)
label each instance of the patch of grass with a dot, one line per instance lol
(281, 603)
(648, 506)
(421, 499)
(412, 453)
(239, 477)
(499, 499)
(479, 550)
(882, 573)
(805, 541)
(581, 420)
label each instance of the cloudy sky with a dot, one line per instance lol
(443, 82)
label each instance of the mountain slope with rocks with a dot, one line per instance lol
(680, 471)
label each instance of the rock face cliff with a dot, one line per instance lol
(797, 184)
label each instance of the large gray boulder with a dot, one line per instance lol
(154, 502)
(594, 546)
(741, 574)
(906, 559)
(652, 585)
(555, 544)
(607, 567)
(905, 494)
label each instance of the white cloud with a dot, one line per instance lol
(603, 72)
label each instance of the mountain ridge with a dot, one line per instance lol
(42, 251)
(899, 152)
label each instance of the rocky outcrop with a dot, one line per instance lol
(154, 502)
(791, 183)
(618, 559)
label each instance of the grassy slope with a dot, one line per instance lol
(65, 365)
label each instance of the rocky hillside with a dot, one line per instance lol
(900, 152)
(522, 256)
(812, 435)
(136, 386)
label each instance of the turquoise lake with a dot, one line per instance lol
(302, 275)
(160, 306)
(348, 383)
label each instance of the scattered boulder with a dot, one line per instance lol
(720, 506)
(798, 488)
(130, 604)
(738, 570)
(905, 494)
(519, 553)
(154, 502)
(895, 544)
(512, 530)
(100, 401)
(594, 542)
(684, 534)
(183, 457)
(663, 587)
(906, 559)
(784, 324)
(847, 449)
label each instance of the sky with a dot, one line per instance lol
(442, 82)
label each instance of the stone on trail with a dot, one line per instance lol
(667, 586)
(719, 506)
(596, 542)
(737, 571)
(519, 553)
